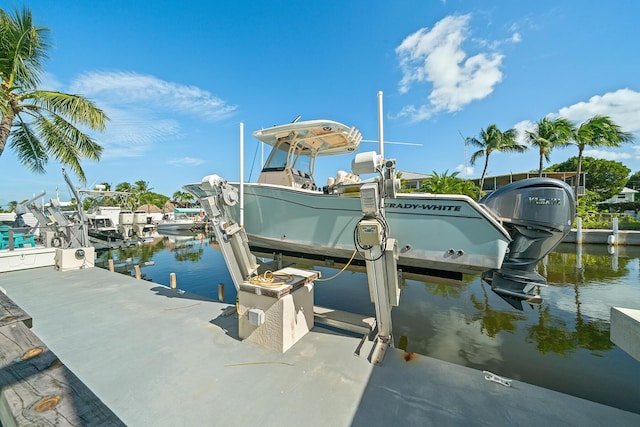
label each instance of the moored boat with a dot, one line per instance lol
(442, 235)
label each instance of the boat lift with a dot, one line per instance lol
(371, 238)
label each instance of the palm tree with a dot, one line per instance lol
(182, 196)
(124, 186)
(492, 140)
(549, 134)
(598, 131)
(448, 184)
(141, 186)
(39, 123)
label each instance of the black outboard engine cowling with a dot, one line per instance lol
(538, 213)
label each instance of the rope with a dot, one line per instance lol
(341, 271)
(268, 279)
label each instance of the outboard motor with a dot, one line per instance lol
(538, 214)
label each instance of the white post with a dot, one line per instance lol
(380, 126)
(579, 257)
(614, 236)
(241, 174)
(579, 230)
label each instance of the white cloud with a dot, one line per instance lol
(50, 82)
(465, 171)
(623, 106)
(522, 128)
(436, 56)
(186, 161)
(144, 110)
(133, 88)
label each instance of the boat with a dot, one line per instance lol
(180, 222)
(443, 235)
(104, 234)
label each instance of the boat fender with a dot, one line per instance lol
(56, 242)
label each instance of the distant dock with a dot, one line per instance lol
(156, 356)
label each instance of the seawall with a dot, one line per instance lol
(625, 237)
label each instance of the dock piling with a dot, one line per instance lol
(111, 266)
(137, 269)
(172, 280)
(221, 292)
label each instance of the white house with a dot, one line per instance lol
(626, 195)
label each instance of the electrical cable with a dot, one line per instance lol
(355, 251)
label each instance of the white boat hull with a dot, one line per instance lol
(434, 232)
(173, 227)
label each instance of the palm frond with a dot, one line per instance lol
(23, 49)
(58, 139)
(477, 155)
(28, 148)
(77, 109)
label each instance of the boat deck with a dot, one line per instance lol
(161, 357)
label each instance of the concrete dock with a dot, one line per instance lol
(160, 357)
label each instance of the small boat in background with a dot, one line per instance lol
(180, 222)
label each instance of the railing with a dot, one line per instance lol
(11, 237)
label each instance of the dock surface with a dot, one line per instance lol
(161, 357)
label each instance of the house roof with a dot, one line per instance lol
(413, 175)
(627, 190)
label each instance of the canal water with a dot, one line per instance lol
(562, 344)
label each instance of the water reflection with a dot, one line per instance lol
(563, 344)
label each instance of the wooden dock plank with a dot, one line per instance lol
(37, 389)
(11, 313)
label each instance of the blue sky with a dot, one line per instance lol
(177, 78)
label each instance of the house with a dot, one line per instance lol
(492, 183)
(626, 195)
(412, 180)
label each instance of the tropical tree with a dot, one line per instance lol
(152, 198)
(141, 187)
(549, 134)
(124, 186)
(38, 124)
(606, 178)
(598, 131)
(448, 184)
(182, 196)
(493, 139)
(634, 181)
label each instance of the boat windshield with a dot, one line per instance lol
(282, 156)
(101, 222)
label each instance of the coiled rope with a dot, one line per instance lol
(269, 279)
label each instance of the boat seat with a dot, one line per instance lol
(343, 177)
(30, 239)
(19, 240)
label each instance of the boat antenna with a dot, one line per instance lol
(297, 118)
(465, 154)
(394, 142)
